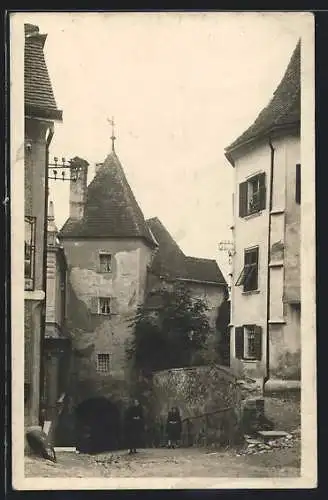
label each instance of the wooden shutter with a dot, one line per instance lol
(94, 305)
(298, 184)
(262, 188)
(258, 342)
(114, 305)
(243, 199)
(239, 342)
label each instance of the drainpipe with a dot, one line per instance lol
(44, 277)
(267, 375)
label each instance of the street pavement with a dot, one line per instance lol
(162, 462)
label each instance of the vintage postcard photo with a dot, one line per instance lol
(163, 307)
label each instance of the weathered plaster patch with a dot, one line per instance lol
(277, 250)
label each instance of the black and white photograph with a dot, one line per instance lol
(163, 314)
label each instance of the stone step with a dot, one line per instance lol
(270, 435)
(65, 448)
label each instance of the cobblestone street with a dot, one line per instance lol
(190, 462)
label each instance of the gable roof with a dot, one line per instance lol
(170, 261)
(111, 210)
(39, 98)
(283, 111)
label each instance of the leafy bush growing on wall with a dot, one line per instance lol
(168, 329)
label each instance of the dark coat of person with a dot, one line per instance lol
(173, 425)
(134, 426)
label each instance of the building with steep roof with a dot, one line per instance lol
(170, 265)
(40, 115)
(108, 246)
(266, 303)
(113, 258)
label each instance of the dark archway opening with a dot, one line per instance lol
(98, 426)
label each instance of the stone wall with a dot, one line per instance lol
(195, 390)
(209, 399)
(93, 333)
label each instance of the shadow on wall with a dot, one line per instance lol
(288, 366)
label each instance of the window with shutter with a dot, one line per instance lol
(298, 184)
(252, 195)
(249, 274)
(239, 342)
(243, 199)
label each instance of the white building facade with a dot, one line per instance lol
(266, 303)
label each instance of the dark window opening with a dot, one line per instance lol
(252, 195)
(298, 184)
(104, 305)
(105, 262)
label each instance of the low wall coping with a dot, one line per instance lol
(279, 385)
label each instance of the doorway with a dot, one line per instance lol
(98, 425)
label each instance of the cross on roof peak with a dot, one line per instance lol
(113, 138)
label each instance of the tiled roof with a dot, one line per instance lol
(282, 111)
(38, 94)
(111, 210)
(172, 263)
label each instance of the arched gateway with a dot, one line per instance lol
(98, 425)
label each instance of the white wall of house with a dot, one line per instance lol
(250, 307)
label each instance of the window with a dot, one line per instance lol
(104, 305)
(248, 342)
(252, 195)
(105, 260)
(298, 184)
(249, 275)
(103, 362)
(29, 252)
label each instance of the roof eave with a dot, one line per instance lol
(206, 282)
(33, 111)
(230, 152)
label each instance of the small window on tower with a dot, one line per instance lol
(104, 305)
(105, 262)
(103, 362)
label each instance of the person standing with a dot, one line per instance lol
(173, 427)
(134, 426)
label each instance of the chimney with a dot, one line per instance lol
(98, 167)
(52, 228)
(78, 188)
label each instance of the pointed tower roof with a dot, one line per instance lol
(111, 210)
(282, 112)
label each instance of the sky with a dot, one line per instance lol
(181, 87)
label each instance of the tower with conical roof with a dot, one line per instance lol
(108, 246)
